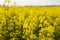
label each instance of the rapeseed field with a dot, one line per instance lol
(29, 22)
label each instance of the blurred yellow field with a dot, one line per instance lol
(52, 10)
(30, 23)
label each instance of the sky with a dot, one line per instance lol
(33, 2)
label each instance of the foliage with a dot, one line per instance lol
(18, 23)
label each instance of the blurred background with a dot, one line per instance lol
(32, 2)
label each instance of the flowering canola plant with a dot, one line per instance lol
(28, 23)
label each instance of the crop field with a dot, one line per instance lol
(30, 23)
